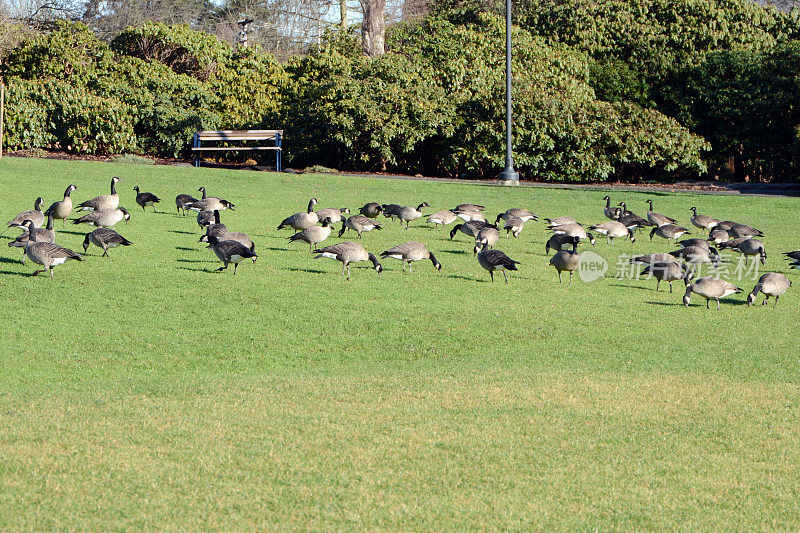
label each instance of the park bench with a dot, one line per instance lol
(238, 135)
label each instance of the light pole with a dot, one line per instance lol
(508, 176)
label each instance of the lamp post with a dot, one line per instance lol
(508, 176)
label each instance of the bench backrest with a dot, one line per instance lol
(237, 135)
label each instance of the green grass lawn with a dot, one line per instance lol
(146, 391)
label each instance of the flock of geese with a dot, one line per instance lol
(314, 227)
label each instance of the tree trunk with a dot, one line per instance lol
(373, 28)
(343, 14)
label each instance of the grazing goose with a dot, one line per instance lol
(409, 252)
(559, 221)
(391, 211)
(668, 271)
(487, 236)
(442, 217)
(558, 240)
(314, 235)
(226, 235)
(770, 284)
(702, 221)
(492, 260)
(697, 255)
(567, 260)
(63, 208)
(792, 256)
(747, 247)
(514, 226)
(718, 236)
(348, 252)
(105, 238)
(611, 212)
(206, 219)
(612, 230)
(726, 225)
(710, 288)
(213, 226)
(301, 221)
(40, 235)
(35, 215)
(182, 202)
(104, 218)
(523, 214)
(359, 224)
(742, 230)
(649, 259)
(469, 207)
(47, 254)
(371, 210)
(210, 203)
(336, 215)
(658, 219)
(574, 230)
(408, 213)
(470, 228)
(146, 198)
(229, 251)
(695, 242)
(631, 220)
(106, 201)
(668, 231)
(468, 214)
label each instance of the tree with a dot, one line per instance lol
(373, 27)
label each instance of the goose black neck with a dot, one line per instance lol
(113, 186)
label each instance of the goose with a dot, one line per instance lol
(182, 201)
(559, 221)
(470, 228)
(408, 213)
(558, 240)
(522, 214)
(226, 235)
(348, 252)
(613, 229)
(63, 208)
(574, 230)
(567, 260)
(658, 219)
(770, 284)
(747, 247)
(146, 198)
(697, 255)
(469, 207)
(793, 257)
(409, 252)
(391, 211)
(695, 242)
(631, 220)
(301, 221)
(611, 212)
(47, 254)
(371, 210)
(105, 238)
(702, 221)
(492, 260)
(442, 217)
(743, 230)
(725, 225)
(486, 237)
(106, 201)
(214, 227)
(668, 271)
(336, 215)
(40, 235)
(314, 235)
(668, 231)
(206, 219)
(718, 236)
(514, 226)
(229, 251)
(649, 259)
(710, 288)
(35, 215)
(104, 217)
(359, 224)
(210, 203)
(468, 214)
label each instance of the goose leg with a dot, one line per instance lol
(105, 251)
(504, 276)
(235, 266)
(559, 276)
(36, 272)
(707, 300)
(404, 265)
(658, 284)
(717, 304)
(491, 274)
(776, 301)
(570, 278)
(220, 269)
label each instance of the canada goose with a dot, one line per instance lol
(668, 271)
(613, 229)
(391, 210)
(314, 235)
(40, 235)
(106, 201)
(469, 214)
(743, 230)
(697, 255)
(206, 218)
(486, 237)
(210, 203)
(348, 252)
(695, 242)
(35, 215)
(793, 258)
(567, 260)
(105, 238)
(523, 214)
(371, 210)
(718, 236)
(702, 221)
(63, 208)
(408, 213)
(146, 198)
(492, 260)
(649, 259)
(226, 235)
(726, 225)
(658, 219)
(469, 207)
(668, 231)
(182, 201)
(442, 217)
(359, 224)
(104, 217)
(631, 220)
(336, 215)
(559, 221)
(409, 252)
(574, 230)
(514, 226)
(747, 247)
(213, 226)
(229, 251)
(47, 254)
(611, 212)
(301, 221)
(470, 228)
(770, 284)
(558, 240)
(710, 288)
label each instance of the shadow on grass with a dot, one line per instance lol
(182, 232)
(636, 287)
(81, 233)
(457, 252)
(468, 278)
(308, 270)
(186, 249)
(10, 260)
(195, 261)
(212, 271)
(14, 273)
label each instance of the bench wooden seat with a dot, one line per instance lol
(238, 135)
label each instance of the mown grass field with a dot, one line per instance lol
(145, 391)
